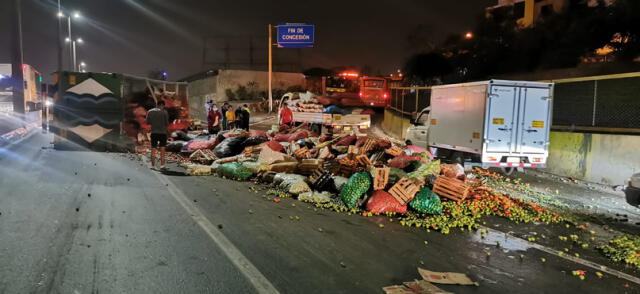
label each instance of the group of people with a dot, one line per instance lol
(226, 118)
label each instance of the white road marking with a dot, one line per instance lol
(255, 277)
(577, 260)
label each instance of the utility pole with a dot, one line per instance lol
(17, 59)
(60, 45)
(270, 69)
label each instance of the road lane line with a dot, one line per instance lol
(578, 260)
(255, 277)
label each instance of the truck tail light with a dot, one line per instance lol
(491, 158)
(385, 95)
(361, 94)
(537, 159)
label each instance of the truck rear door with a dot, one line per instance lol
(535, 104)
(501, 117)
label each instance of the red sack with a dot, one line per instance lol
(298, 135)
(384, 144)
(283, 127)
(291, 137)
(360, 141)
(275, 146)
(346, 141)
(325, 138)
(255, 133)
(404, 160)
(381, 202)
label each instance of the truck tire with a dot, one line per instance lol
(507, 171)
(633, 196)
(457, 157)
(408, 142)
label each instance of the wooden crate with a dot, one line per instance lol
(302, 153)
(453, 189)
(362, 159)
(380, 177)
(203, 156)
(252, 151)
(395, 151)
(368, 145)
(347, 167)
(404, 190)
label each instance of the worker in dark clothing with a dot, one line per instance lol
(223, 111)
(239, 119)
(246, 114)
(158, 118)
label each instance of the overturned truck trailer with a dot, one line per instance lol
(107, 111)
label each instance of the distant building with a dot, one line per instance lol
(529, 11)
(218, 85)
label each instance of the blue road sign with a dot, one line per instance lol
(295, 35)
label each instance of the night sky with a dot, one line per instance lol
(136, 36)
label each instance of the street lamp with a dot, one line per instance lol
(82, 67)
(73, 50)
(468, 35)
(75, 15)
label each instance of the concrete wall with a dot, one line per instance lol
(232, 79)
(200, 92)
(395, 124)
(599, 158)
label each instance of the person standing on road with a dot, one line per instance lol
(239, 118)
(158, 118)
(231, 117)
(214, 118)
(223, 111)
(246, 114)
(286, 115)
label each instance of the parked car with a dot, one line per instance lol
(633, 190)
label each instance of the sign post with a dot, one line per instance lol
(290, 35)
(270, 69)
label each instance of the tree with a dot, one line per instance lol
(427, 68)
(318, 72)
(420, 39)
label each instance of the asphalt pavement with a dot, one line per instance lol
(86, 222)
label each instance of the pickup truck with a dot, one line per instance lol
(309, 112)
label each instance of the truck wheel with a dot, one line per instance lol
(408, 142)
(507, 171)
(633, 196)
(457, 157)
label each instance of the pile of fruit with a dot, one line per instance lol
(625, 248)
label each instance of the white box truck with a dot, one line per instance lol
(489, 124)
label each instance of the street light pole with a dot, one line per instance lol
(70, 40)
(73, 49)
(17, 62)
(60, 45)
(270, 69)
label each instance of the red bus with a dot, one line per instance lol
(374, 92)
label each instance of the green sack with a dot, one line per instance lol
(426, 201)
(425, 170)
(235, 171)
(395, 174)
(355, 188)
